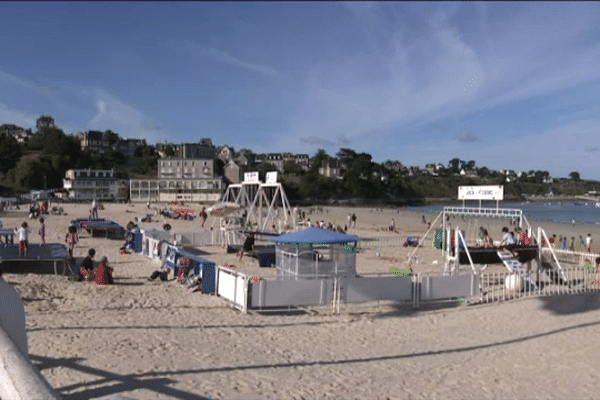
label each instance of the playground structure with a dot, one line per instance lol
(263, 207)
(41, 258)
(459, 247)
(100, 227)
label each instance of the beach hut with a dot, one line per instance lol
(315, 252)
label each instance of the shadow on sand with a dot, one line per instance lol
(108, 383)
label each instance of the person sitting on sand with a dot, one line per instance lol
(103, 273)
(86, 270)
(248, 245)
(162, 273)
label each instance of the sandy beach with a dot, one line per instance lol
(155, 340)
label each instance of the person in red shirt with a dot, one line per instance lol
(523, 237)
(103, 273)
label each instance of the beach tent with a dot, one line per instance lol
(315, 252)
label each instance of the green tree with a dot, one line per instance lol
(169, 151)
(10, 152)
(574, 176)
(263, 168)
(292, 168)
(111, 137)
(454, 164)
(148, 159)
(30, 172)
(44, 122)
(219, 167)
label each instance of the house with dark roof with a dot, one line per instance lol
(331, 168)
(93, 141)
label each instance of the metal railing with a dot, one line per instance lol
(550, 282)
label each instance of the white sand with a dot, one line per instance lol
(156, 340)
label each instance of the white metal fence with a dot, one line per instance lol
(550, 282)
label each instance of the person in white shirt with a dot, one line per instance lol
(588, 242)
(94, 209)
(23, 233)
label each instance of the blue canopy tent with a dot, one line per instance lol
(315, 252)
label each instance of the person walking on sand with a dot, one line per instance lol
(354, 219)
(572, 246)
(203, 215)
(248, 245)
(588, 243)
(94, 209)
(42, 231)
(23, 233)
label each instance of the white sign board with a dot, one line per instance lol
(271, 177)
(481, 192)
(251, 177)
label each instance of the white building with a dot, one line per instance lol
(167, 190)
(101, 184)
(185, 168)
(179, 179)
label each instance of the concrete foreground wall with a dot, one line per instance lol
(19, 379)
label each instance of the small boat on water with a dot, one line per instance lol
(489, 255)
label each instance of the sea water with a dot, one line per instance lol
(564, 211)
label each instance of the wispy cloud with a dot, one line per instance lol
(11, 116)
(225, 57)
(466, 136)
(128, 121)
(316, 141)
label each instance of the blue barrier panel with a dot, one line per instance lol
(137, 242)
(203, 268)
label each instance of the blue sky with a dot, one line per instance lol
(507, 84)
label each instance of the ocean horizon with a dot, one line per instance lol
(562, 211)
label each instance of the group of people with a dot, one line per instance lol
(561, 242)
(101, 274)
(510, 239)
(35, 210)
(329, 225)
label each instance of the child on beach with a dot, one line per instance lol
(42, 230)
(71, 239)
(23, 233)
(588, 243)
